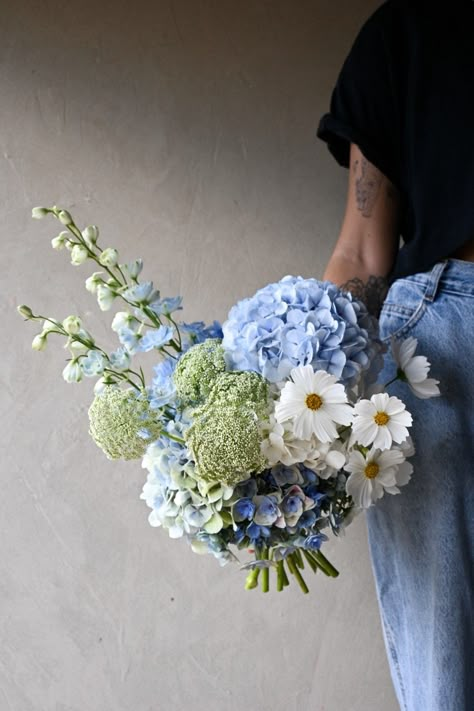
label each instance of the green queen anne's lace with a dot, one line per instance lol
(225, 435)
(197, 370)
(116, 416)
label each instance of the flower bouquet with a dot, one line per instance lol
(265, 433)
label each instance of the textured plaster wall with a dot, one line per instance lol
(186, 130)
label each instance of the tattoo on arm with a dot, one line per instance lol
(367, 185)
(372, 292)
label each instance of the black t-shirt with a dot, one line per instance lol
(405, 96)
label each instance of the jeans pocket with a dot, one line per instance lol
(403, 307)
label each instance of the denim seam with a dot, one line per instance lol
(411, 321)
(396, 665)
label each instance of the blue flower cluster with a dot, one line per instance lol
(300, 321)
(282, 507)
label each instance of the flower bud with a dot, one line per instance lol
(25, 311)
(39, 342)
(65, 217)
(124, 319)
(109, 257)
(79, 254)
(133, 269)
(72, 373)
(60, 241)
(105, 297)
(72, 324)
(49, 326)
(91, 235)
(39, 212)
(93, 282)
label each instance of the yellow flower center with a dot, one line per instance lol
(381, 418)
(313, 401)
(371, 470)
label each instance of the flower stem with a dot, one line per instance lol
(295, 571)
(252, 579)
(311, 561)
(299, 558)
(265, 573)
(280, 573)
(324, 564)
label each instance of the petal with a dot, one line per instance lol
(356, 462)
(394, 406)
(335, 459)
(287, 410)
(365, 431)
(342, 414)
(417, 369)
(365, 408)
(401, 418)
(360, 488)
(383, 438)
(407, 351)
(398, 432)
(303, 376)
(323, 427)
(380, 402)
(428, 388)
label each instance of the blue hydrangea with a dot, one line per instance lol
(198, 332)
(300, 321)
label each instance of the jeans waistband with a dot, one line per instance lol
(455, 275)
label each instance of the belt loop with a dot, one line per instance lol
(433, 280)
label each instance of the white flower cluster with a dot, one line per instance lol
(314, 422)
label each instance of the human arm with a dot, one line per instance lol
(368, 241)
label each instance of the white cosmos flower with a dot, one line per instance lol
(380, 421)
(414, 369)
(373, 475)
(314, 402)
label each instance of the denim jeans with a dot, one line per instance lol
(421, 541)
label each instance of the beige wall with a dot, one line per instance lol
(186, 130)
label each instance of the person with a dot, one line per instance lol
(400, 119)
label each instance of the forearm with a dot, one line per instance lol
(366, 248)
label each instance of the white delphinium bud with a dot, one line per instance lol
(124, 319)
(72, 373)
(79, 254)
(25, 311)
(74, 341)
(93, 282)
(109, 257)
(65, 217)
(39, 342)
(133, 269)
(72, 325)
(50, 325)
(39, 212)
(91, 235)
(105, 297)
(60, 241)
